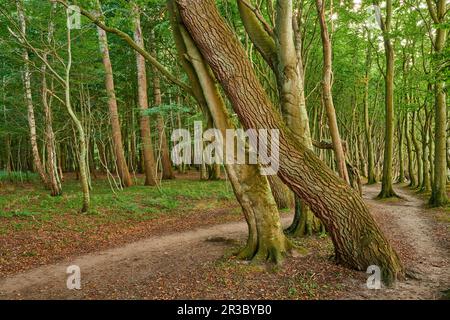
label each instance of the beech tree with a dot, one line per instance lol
(357, 239)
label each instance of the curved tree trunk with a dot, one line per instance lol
(327, 97)
(357, 239)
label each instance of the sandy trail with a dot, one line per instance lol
(155, 256)
(111, 271)
(409, 222)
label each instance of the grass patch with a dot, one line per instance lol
(25, 206)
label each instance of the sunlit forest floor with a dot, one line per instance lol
(179, 241)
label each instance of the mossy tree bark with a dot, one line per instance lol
(266, 240)
(357, 239)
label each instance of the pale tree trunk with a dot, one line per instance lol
(166, 164)
(439, 192)
(83, 166)
(122, 167)
(327, 82)
(54, 180)
(387, 190)
(144, 120)
(266, 239)
(357, 239)
(29, 100)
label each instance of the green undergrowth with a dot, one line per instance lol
(24, 206)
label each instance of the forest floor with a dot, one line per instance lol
(185, 248)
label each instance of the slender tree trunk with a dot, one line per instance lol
(411, 173)
(327, 96)
(121, 163)
(83, 166)
(417, 150)
(167, 171)
(439, 191)
(357, 239)
(144, 120)
(401, 175)
(371, 179)
(29, 100)
(426, 183)
(54, 181)
(387, 190)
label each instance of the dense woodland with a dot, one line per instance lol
(357, 89)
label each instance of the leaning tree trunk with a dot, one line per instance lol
(283, 54)
(266, 240)
(29, 100)
(144, 120)
(357, 239)
(122, 167)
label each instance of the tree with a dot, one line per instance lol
(387, 191)
(29, 99)
(327, 96)
(357, 239)
(144, 120)
(122, 167)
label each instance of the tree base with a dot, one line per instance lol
(386, 194)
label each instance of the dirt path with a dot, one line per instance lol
(124, 272)
(155, 257)
(409, 226)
